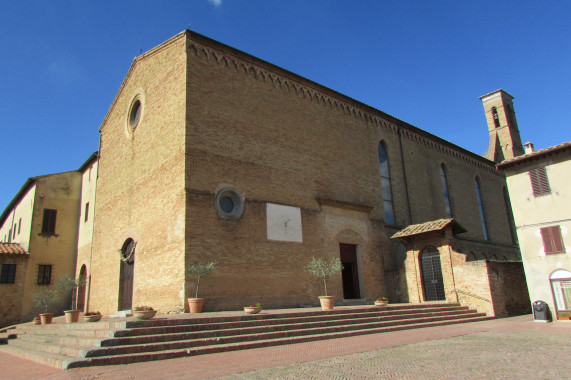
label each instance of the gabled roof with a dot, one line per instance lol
(88, 162)
(433, 225)
(12, 249)
(535, 155)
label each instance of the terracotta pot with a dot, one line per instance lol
(37, 321)
(195, 305)
(380, 303)
(71, 316)
(92, 318)
(252, 309)
(46, 318)
(144, 314)
(327, 302)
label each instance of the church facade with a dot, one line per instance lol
(208, 153)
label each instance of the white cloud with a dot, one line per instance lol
(216, 3)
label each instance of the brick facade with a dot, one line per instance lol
(215, 118)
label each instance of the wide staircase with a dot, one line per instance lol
(122, 341)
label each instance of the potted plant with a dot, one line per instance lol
(199, 271)
(564, 316)
(253, 309)
(45, 298)
(320, 268)
(92, 316)
(144, 312)
(66, 285)
(381, 301)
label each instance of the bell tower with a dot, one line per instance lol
(505, 141)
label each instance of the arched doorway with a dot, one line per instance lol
(561, 287)
(82, 288)
(432, 274)
(126, 275)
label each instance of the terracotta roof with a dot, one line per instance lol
(434, 225)
(536, 154)
(12, 249)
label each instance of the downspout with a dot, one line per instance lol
(452, 268)
(404, 175)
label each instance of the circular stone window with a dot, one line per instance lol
(135, 113)
(229, 204)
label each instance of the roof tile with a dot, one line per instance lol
(12, 249)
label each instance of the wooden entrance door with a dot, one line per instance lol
(126, 275)
(432, 274)
(350, 273)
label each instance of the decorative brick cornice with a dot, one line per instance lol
(256, 69)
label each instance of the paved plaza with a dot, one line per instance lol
(509, 348)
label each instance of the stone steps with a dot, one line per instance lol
(129, 341)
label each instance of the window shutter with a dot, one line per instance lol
(552, 240)
(539, 181)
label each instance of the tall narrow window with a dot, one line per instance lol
(86, 212)
(14, 233)
(19, 225)
(386, 185)
(509, 213)
(49, 222)
(445, 191)
(8, 274)
(481, 206)
(44, 274)
(552, 240)
(496, 117)
(539, 182)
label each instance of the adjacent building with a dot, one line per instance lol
(38, 243)
(539, 184)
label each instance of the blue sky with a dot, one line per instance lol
(425, 62)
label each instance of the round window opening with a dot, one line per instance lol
(229, 204)
(135, 114)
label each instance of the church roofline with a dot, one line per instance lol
(199, 38)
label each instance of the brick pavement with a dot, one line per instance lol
(503, 348)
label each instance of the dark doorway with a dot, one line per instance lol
(432, 274)
(126, 275)
(81, 290)
(350, 273)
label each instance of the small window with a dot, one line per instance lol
(10, 235)
(229, 204)
(19, 225)
(539, 182)
(135, 114)
(481, 207)
(86, 212)
(49, 222)
(44, 274)
(8, 275)
(14, 233)
(552, 240)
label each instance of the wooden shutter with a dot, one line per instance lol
(552, 240)
(539, 181)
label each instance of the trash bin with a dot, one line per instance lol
(541, 312)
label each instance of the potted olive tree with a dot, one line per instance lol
(198, 271)
(322, 269)
(64, 286)
(45, 299)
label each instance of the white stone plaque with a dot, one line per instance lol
(284, 223)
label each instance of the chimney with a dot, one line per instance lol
(528, 147)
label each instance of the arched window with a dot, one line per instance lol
(445, 191)
(481, 206)
(496, 117)
(386, 185)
